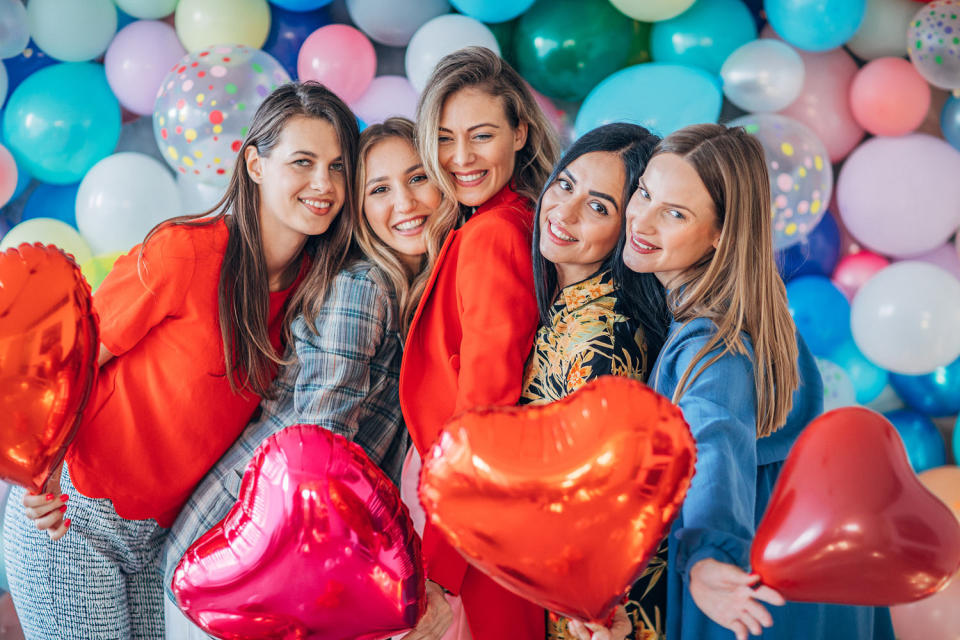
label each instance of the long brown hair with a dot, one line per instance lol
(243, 291)
(737, 285)
(481, 68)
(408, 286)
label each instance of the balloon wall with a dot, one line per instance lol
(118, 114)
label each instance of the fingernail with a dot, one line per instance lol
(66, 523)
(64, 498)
(63, 509)
(50, 496)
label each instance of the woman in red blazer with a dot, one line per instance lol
(483, 138)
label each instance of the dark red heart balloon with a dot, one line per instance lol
(850, 523)
(318, 546)
(48, 359)
(565, 503)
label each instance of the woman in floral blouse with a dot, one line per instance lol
(596, 317)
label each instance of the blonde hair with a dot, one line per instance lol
(483, 69)
(407, 286)
(737, 285)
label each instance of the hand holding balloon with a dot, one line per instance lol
(436, 619)
(46, 510)
(728, 595)
(619, 629)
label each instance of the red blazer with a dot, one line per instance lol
(467, 346)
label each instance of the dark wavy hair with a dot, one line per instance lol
(641, 294)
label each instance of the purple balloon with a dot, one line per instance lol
(944, 256)
(386, 96)
(138, 60)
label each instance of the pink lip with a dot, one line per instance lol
(557, 239)
(316, 210)
(472, 183)
(639, 249)
(409, 232)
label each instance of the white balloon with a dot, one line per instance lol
(652, 10)
(48, 231)
(121, 198)
(838, 389)
(196, 196)
(763, 76)
(14, 28)
(906, 318)
(147, 9)
(441, 36)
(72, 31)
(883, 30)
(393, 23)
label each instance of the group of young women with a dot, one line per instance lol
(377, 283)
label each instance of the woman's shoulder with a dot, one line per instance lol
(686, 340)
(359, 291)
(189, 241)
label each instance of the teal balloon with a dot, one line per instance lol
(921, 439)
(703, 35)
(868, 379)
(815, 25)
(956, 441)
(565, 47)
(660, 97)
(61, 121)
(492, 10)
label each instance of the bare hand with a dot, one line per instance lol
(619, 630)
(725, 594)
(436, 619)
(47, 509)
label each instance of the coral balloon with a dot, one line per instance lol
(850, 523)
(936, 617)
(207, 23)
(918, 173)
(612, 461)
(318, 545)
(48, 349)
(340, 57)
(206, 104)
(944, 482)
(932, 40)
(889, 98)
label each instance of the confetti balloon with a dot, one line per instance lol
(933, 42)
(801, 178)
(205, 105)
(838, 389)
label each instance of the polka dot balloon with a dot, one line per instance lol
(801, 178)
(933, 42)
(205, 105)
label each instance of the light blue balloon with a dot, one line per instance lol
(4, 83)
(815, 25)
(492, 10)
(704, 35)
(868, 379)
(660, 97)
(923, 442)
(61, 121)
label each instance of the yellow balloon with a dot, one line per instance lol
(96, 268)
(651, 10)
(203, 23)
(48, 231)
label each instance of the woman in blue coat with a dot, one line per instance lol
(700, 221)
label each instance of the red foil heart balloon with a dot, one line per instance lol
(48, 359)
(318, 546)
(564, 503)
(849, 522)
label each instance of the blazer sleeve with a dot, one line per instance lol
(498, 312)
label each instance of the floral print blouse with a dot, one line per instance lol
(589, 336)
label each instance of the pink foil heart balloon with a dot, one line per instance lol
(317, 547)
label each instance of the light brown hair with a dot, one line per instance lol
(243, 291)
(737, 285)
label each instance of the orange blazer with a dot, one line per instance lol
(467, 346)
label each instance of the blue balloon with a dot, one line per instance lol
(821, 313)
(58, 201)
(29, 61)
(660, 97)
(300, 5)
(815, 25)
(956, 441)
(288, 30)
(703, 35)
(950, 121)
(815, 255)
(868, 379)
(934, 394)
(492, 10)
(61, 121)
(921, 439)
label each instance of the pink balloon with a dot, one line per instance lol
(8, 175)
(138, 60)
(386, 96)
(898, 196)
(318, 545)
(823, 103)
(554, 115)
(888, 97)
(854, 270)
(933, 618)
(945, 256)
(340, 57)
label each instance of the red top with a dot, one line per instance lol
(467, 345)
(163, 411)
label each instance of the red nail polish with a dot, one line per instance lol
(50, 496)
(63, 509)
(64, 498)
(66, 523)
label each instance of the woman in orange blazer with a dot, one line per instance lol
(483, 138)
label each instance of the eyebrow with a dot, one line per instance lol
(476, 126)
(641, 183)
(382, 178)
(595, 194)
